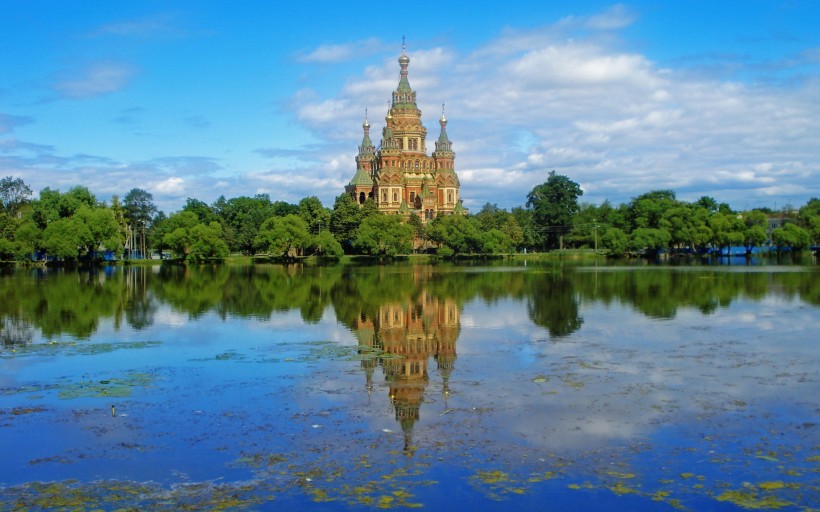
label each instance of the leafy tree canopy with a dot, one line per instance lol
(554, 203)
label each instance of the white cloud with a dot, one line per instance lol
(618, 16)
(336, 53)
(96, 80)
(622, 123)
(173, 186)
(570, 97)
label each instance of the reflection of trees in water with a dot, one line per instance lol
(57, 301)
(660, 291)
(15, 331)
(136, 300)
(552, 304)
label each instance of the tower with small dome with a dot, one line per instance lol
(399, 175)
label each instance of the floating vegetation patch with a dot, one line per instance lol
(498, 483)
(333, 351)
(360, 481)
(125, 495)
(31, 389)
(117, 387)
(19, 411)
(749, 497)
(75, 348)
(230, 355)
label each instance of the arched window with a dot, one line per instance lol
(417, 164)
(361, 197)
(412, 197)
(395, 196)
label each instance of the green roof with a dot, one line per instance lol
(361, 178)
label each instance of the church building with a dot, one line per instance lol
(399, 175)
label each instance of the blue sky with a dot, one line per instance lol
(202, 99)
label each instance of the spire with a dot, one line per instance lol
(387, 131)
(367, 145)
(443, 143)
(403, 94)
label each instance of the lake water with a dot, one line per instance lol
(507, 386)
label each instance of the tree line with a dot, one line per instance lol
(135, 295)
(76, 226)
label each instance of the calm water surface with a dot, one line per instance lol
(538, 387)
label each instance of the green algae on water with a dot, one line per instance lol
(119, 387)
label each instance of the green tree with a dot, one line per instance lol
(495, 241)
(369, 209)
(206, 243)
(76, 197)
(28, 239)
(419, 231)
(585, 225)
(102, 227)
(282, 209)
(204, 213)
(707, 203)
(791, 235)
(8, 226)
(523, 217)
(384, 235)
(687, 225)
(176, 232)
(727, 230)
(281, 235)
(325, 245)
(179, 241)
(14, 194)
(554, 203)
(344, 220)
(65, 237)
(756, 229)
(457, 234)
(647, 210)
(491, 217)
(810, 218)
(513, 231)
(615, 240)
(314, 214)
(139, 209)
(650, 241)
(242, 217)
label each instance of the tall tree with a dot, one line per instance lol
(14, 193)
(554, 203)
(316, 215)
(139, 210)
(203, 212)
(344, 220)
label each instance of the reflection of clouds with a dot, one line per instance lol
(623, 374)
(165, 316)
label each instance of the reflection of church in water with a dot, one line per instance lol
(410, 335)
